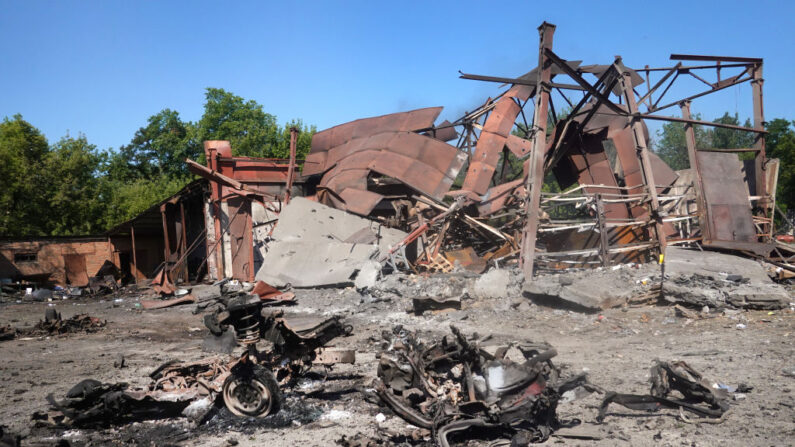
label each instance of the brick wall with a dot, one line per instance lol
(49, 263)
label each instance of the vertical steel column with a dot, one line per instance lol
(250, 232)
(695, 170)
(215, 196)
(535, 177)
(167, 246)
(184, 246)
(604, 247)
(135, 259)
(759, 144)
(291, 168)
(636, 125)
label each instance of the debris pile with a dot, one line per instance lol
(459, 384)
(53, 324)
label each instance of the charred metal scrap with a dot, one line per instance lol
(698, 395)
(173, 387)
(247, 385)
(459, 384)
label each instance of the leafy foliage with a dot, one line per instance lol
(780, 143)
(71, 188)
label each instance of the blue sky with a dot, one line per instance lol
(103, 67)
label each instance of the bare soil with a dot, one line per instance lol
(616, 347)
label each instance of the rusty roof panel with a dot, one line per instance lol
(425, 164)
(365, 127)
(502, 117)
(360, 201)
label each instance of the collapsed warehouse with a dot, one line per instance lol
(552, 178)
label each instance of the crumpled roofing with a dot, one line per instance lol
(348, 153)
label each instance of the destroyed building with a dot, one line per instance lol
(552, 178)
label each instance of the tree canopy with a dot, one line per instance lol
(72, 188)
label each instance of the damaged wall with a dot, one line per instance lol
(44, 260)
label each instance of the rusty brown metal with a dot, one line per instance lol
(291, 169)
(323, 141)
(425, 164)
(535, 177)
(728, 212)
(493, 138)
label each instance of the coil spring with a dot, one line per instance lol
(247, 329)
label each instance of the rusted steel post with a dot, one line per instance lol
(759, 145)
(291, 168)
(215, 197)
(167, 246)
(603, 242)
(184, 246)
(250, 233)
(636, 125)
(695, 169)
(135, 259)
(535, 178)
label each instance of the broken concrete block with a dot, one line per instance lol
(315, 245)
(493, 284)
(368, 275)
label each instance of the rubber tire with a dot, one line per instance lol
(264, 377)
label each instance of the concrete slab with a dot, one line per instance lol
(314, 245)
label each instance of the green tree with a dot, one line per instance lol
(729, 138)
(127, 199)
(303, 144)
(247, 127)
(70, 178)
(671, 145)
(157, 149)
(23, 208)
(780, 143)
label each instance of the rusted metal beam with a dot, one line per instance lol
(211, 153)
(702, 123)
(291, 168)
(135, 259)
(250, 234)
(167, 246)
(659, 83)
(535, 178)
(581, 81)
(694, 57)
(520, 81)
(695, 169)
(698, 95)
(184, 245)
(759, 142)
(636, 126)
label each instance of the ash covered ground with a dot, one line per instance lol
(616, 347)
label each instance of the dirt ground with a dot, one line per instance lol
(616, 348)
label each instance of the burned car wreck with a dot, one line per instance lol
(457, 384)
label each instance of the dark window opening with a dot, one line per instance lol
(24, 257)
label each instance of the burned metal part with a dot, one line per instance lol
(458, 384)
(160, 304)
(698, 394)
